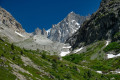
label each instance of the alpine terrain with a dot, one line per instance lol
(77, 48)
(64, 29)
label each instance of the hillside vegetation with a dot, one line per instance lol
(17, 63)
(95, 58)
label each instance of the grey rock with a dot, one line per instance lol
(102, 25)
(7, 19)
(37, 31)
(64, 29)
(44, 32)
(10, 28)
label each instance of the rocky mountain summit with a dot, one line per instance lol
(64, 29)
(40, 32)
(103, 25)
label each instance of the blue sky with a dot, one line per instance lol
(43, 13)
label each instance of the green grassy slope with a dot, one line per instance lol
(34, 65)
(95, 58)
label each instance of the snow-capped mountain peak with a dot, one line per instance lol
(48, 31)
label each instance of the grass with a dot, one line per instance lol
(5, 74)
(113, 46)
(98, 63)
(52, 65)
(117, 35)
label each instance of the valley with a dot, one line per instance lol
(77, 48)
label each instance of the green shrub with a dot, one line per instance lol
(13, 58)
(117, 35)
(43, 55)
(12, 46)
(112, 46)
(54, 65)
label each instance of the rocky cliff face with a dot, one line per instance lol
(42, 32)
(13, 31)
(37, 31)
(64, 29)
(10, 28)
(103, 24)
(8, 20)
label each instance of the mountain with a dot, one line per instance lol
(22, 64)
(10, 28)
(40, 32)
(37, 31)
(96, 45)
(64, 29)
(32, 56)
(102, 25)
(8, 20)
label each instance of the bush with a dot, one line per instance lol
(117, 35)
(14, 58)
(2, 55)
(54, 65)
(44, 56)
(21, 52)
(112, 46)
(12, 46)
(68, 76)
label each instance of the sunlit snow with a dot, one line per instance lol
(99, 72)
(107, 43)
(77, 50)
(67, 47)
(77, 24)
(64, 53)
(48, 31)
(73, 21)
(19, 34)
(59, 32)
(112, 56)
(116, 72)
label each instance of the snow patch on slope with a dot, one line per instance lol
(100, 72)
(59, 32)
(48, 31)
(116, 72)
(19, 34)
(64, 53)
(65, 50)
(77, 50)
(73, 21)
(67, 47)
(77, 23)
(107, 43)
(112, 56)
